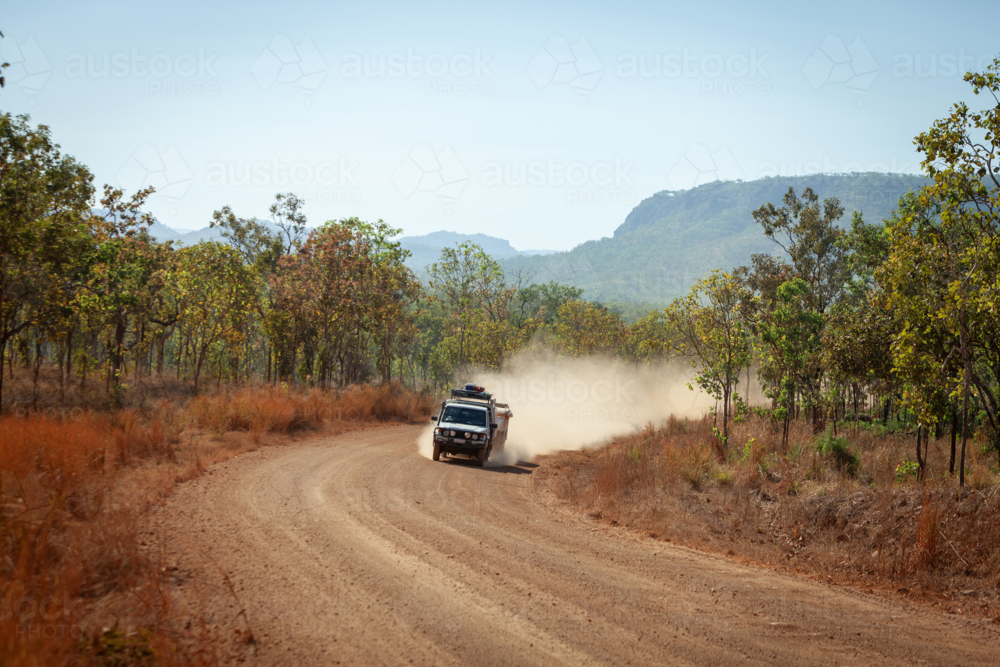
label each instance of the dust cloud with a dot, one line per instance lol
(562, 404)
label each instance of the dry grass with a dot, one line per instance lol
(873, 525)
(269, 410)
(80, 579)
(53, 396)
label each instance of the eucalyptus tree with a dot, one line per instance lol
(962, 155)
(711, 328)
(44, 207)
(215, 295)
(585, 328)
(479, 300)
(806, 230)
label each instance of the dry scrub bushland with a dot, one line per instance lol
(847, 509)
(81, 581)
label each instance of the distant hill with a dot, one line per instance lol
(162, 233)
(668, 241)
(426, 249)
(671, 239)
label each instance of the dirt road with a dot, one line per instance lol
(355, 550)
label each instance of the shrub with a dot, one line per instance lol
(906, 468)
(839, 451)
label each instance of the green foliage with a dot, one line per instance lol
(586, 329)
(879, 319)
(542, 302)
(215, 296)
(839, 451)
(794, 301)
(671, 239)
(906, 469)
(44, 215)
(723, 477)
(487, 315)
(711, 329)
(741, 409)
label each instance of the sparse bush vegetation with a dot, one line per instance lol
(849, 507)
(73, 490)
(839, 451)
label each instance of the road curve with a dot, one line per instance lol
(354, 549)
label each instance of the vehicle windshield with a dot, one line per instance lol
(459, 415)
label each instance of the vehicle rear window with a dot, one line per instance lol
(460, 415)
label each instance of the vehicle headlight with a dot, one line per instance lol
(468, 435)
(451, 433)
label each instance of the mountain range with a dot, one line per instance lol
(665, 244)
(424, 250)
(672, 238)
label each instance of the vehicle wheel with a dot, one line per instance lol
(481, 457)
(437, 452)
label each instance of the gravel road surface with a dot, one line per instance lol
(353, 549)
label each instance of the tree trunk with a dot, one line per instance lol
(37, 368)
(725, 416)
(965, 411)
(69, 358)
(920, 457)
(197, 370)
(3, 346)
(954, 435)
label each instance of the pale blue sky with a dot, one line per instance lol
(542, 124)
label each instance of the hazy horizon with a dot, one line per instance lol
(541, 125)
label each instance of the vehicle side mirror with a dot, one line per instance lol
(493, 425)
(434, 419)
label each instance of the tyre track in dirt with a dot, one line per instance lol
(355, 549)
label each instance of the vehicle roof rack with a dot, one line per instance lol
(465, 393)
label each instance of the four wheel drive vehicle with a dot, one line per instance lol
(471, 423)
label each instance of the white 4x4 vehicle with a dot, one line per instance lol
(471, 423)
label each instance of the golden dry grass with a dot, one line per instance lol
(802, 510)
(74, 487)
